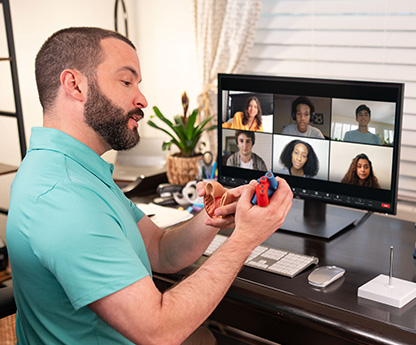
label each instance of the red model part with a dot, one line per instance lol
(261, 193)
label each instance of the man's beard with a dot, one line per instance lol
(109, 120)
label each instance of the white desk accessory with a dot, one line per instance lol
(388, 290)
(325, 275)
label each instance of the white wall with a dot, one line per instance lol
(166, 47)
(162, 30)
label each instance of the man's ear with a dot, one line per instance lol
(74, 83)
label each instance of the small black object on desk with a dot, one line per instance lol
(7, 303)
(144, 184)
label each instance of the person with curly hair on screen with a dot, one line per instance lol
(303, 112)
(299, 159)
(250, 119)
(360, 172)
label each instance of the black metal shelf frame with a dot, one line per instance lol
(18, 114)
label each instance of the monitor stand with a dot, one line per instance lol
(315, 220)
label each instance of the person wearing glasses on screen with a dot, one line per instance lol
(250, 119)
(360, 172)
(245, 157)
(362, 134)
(302, 112)
(299, 159)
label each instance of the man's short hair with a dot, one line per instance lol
(249, 134)
(302, 100)
(361, 108)
(75, 48)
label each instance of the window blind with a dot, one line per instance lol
(371, 40)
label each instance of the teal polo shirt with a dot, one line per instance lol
(72, 237)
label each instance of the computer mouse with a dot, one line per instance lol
(325, 275)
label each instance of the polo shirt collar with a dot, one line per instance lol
(43, 138)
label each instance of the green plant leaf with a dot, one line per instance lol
(184, 132)
(190, 129)
(174, 140)
(162, 117)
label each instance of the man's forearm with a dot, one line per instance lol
(194, 299)
(144, 315)
(190, 238)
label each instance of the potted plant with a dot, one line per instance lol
(185, 133)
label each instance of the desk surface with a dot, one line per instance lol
(275, 307)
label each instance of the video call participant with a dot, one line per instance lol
(302, 112)
(362, 135)
(299, 159)
(250, 119)
(360, 173)
(245, 157)
(81, 253)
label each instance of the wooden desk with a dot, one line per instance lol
(290, 311)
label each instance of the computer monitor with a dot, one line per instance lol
(334, 141)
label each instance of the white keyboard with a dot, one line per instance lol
(270, 259)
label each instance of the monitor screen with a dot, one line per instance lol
(334, 141)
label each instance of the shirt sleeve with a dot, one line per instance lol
(287, 129)
(137, 212)
(318, 133)
(229, 161)
(347, 136)
(91, 249)
(237, 124)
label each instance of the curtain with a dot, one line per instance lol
(225, 31)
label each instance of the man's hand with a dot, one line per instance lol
(224, 215)
(254, 224)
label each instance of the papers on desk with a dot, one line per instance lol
(164, 216)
